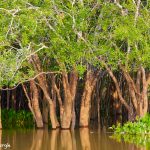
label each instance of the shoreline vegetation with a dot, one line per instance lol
(12, 119)
(137, 132)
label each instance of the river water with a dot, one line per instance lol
(80, 139)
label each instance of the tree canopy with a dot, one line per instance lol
(69, 34)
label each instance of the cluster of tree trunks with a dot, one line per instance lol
(137, 90)
(66, 100)
(56, 95)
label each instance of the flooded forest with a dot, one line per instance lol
(75, 74)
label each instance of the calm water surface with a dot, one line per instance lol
(82, 139)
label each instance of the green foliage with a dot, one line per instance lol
(19, 119)
(120, 34)
(140, 126)
(70, 35)
(137, 132)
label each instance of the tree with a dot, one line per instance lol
(125, 35)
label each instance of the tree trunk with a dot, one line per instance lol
(45, 111)
(44, 86)
(14, 98)
(54, 140)
(69, 92)
(85, 109)
(139, 96)
(8, 99)
(122, 100)
(57, 90)
(86, 99)
(52, 111)
(67, 115)
(35, 104)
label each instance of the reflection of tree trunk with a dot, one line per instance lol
(33, 139)
(85, 139)
(14, 142)
(66, 140)
(53, 139)
(38, 139)
(86, 99)
(74, 144)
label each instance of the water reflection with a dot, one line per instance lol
(82, 139)
(140, 140)
(66, 140)
(85, 139)
(54, 139)
(37, 140)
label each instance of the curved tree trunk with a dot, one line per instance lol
(139, 96)
(137, 90)
(35, 104)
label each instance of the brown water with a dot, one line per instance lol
(82, 139)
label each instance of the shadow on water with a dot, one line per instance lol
(81, 139)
